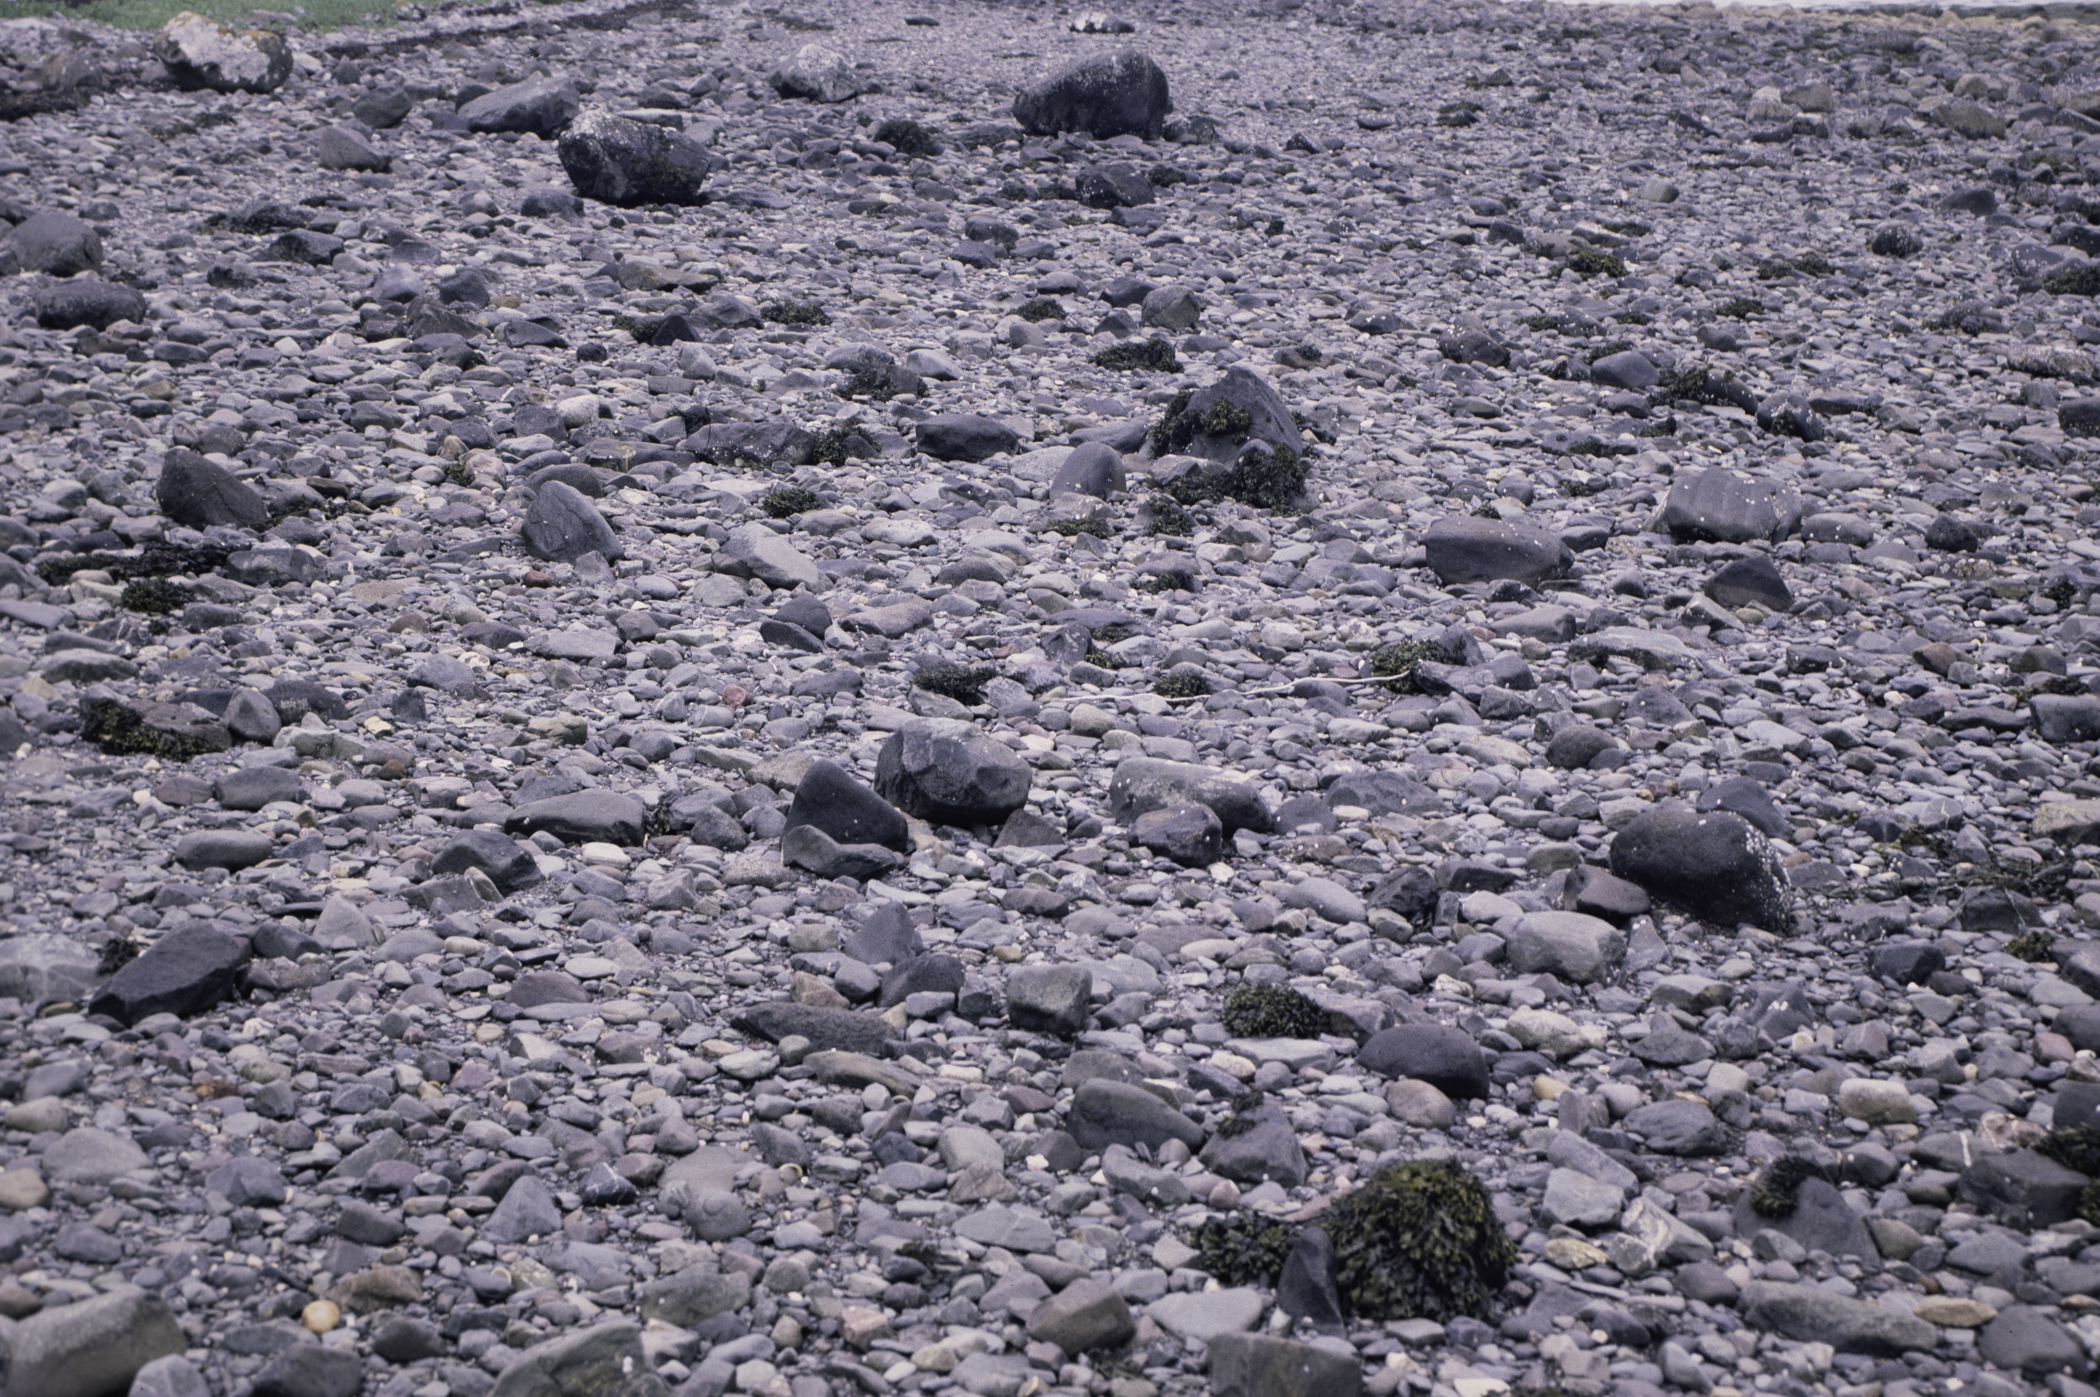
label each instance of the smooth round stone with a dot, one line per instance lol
(604, 855)
(591, 967)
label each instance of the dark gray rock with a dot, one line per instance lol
(1307, 1286)
(1263, 1365)
(1142, 784)
(57, 243)
(311, 1370)
(818, 73)
(87, 300)
(92, 1347)
(618, 161)
(1115, 185)
(1716, 866)
(1118, 1113)
(251, 788)
(963, 436)
(845, 1030)
(605, 1360)
(809, 848)
(1445, 1057)
(1821, 1221)
(183, 973)
(246, 1181)
(2021, 1188)
(846, 808)
(1574, 747)
(1463, 548)
(1676, 1127)
(1087, 1314)
(562, 525)
(1049, 998)
(1094, 468)
(1747, 797)
(2026, 1341)
(1750, 581)
(776, 441)
(1629, 369)
(583, 816)
(2066, 717)
(1812, 1314)
(1240, 393)
(508, 864)
(527, 1210)
(1718, 506)
(886, 934)
(1948, 533)
(338, 148)
(946, 771)
(201, 494)
(1118, 94)
(1907, 962)
(541, 107)
(1257, 1144)
(1188, 833)
(929, 974)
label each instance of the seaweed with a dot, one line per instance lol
(959, 682)
(156, 596)
(788, 501)
(1041, 308)
(1181, 684)
(1740, 308)
(2081, 280)
(1420, 1240)
(794, 313)
(1244, 1250)
(1154, 355)
(2074, 1147)
(2033, 946)
(1774, 1193)
(1168, 517)
(1590, 261)
(1396, 663)
(907, 137)
(1272, 1011)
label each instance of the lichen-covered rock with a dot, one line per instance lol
(618, 161)
(200, 52)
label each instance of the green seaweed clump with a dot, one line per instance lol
(1699, 384)
(834, 446)
(1590, 261)
(1071, 528)
(1272, 1011)
(1245, 1250)
(959, 682)
(1181, 684)
(1154, 355)
(119, 730)
(2081, 280)
(788, 501)
(907, 137)
(1420, 1240)
(156, 596)
(1040, 309)
(1396, 663)
(1774, 1194)
(794, 313)
(2032, 946)
(1168, 517)
(1740, 308)
(2074, 1147)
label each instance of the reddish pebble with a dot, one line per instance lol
(2053, 1047)
(536, 578)
(735, 694)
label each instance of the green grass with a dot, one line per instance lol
(314, 16)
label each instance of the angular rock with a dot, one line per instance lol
(1264, 1365)
(1258, 1145)
(946, 771)
(562, 525)
(1188, 833)
(583, 816)
(1087, 1314)
(605, 1360)
(1750, 581)
(1812, 1314)
(844, 807)
(542, 106)
(1716, 505)
(809, 848)
(509, 865)
(818, 73)
(1570, 945)
(1119, 1113)
(183, 973)
(311, 1370)
(753, 550)
(201, 494)
(1049, 998)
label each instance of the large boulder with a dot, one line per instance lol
(846, 808)
(184, 973)
(57, 243)
(1717, 866)
(818, 73)
(1571, 946)
(1812, 1314)
(562, 525)
(947, 771)
(203, 53)
(963, 436)
(1143, 784)
(584, 816)
(1110, 94)
(619, 161)
(92, 1347)
(1719, 506)
(753, 550)
(1442, 1055)
(87, 300)
(538, 106)
(1463, 548)
(201, 494)
(1219, 420)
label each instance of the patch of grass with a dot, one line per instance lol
(788, 501)
(1154, 356)
(1248, 1249)
(794, 313)
(1040, 309)
(959, 682)
(1271, 1011)
(1591, 261)
(907, 137)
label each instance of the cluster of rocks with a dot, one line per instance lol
(662, 667)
